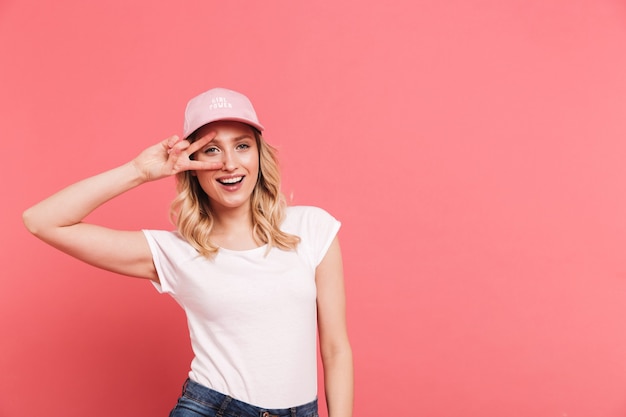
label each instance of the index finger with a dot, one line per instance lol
(197, 144)
(204, 165)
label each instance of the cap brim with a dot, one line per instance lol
(257, 126)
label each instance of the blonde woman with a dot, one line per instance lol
(258, 280)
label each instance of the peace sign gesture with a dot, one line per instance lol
(171, 156)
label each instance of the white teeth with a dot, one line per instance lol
(230, 180)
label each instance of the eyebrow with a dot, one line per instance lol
(235, 139)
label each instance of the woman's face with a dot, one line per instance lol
(234, 145)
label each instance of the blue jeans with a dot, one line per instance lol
(200, 401)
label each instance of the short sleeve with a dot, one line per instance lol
(168, 249)
(317, 229)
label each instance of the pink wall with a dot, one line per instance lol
(473, 149)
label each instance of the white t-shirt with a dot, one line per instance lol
(252, 317)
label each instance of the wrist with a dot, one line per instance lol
(136, 174)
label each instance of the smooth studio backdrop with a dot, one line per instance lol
(474, 150)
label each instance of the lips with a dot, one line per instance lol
(230, 180)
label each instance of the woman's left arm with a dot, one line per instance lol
(334, 343)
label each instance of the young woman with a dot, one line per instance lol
(256, 278)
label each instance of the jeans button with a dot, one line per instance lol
(266, 414)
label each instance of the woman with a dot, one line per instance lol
(254, 277)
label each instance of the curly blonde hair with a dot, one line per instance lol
(191, 210)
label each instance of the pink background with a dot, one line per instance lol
(475, 151)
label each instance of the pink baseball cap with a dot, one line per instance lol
(219, 104)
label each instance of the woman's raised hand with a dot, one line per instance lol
(59, 219)
(171, 156)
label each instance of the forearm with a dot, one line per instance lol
(339, 382)
(72, 204)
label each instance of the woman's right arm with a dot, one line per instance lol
(58, 220)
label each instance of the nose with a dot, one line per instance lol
(229, 161)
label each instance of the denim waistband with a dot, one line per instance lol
(228, 406)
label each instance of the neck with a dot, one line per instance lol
(233, 229)
(232, 225)
(232, 220)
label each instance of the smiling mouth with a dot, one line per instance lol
(230, 181)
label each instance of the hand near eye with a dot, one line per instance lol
(171, 156)
(59, 219)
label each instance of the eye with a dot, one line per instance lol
(243, 146)
(211, 149)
